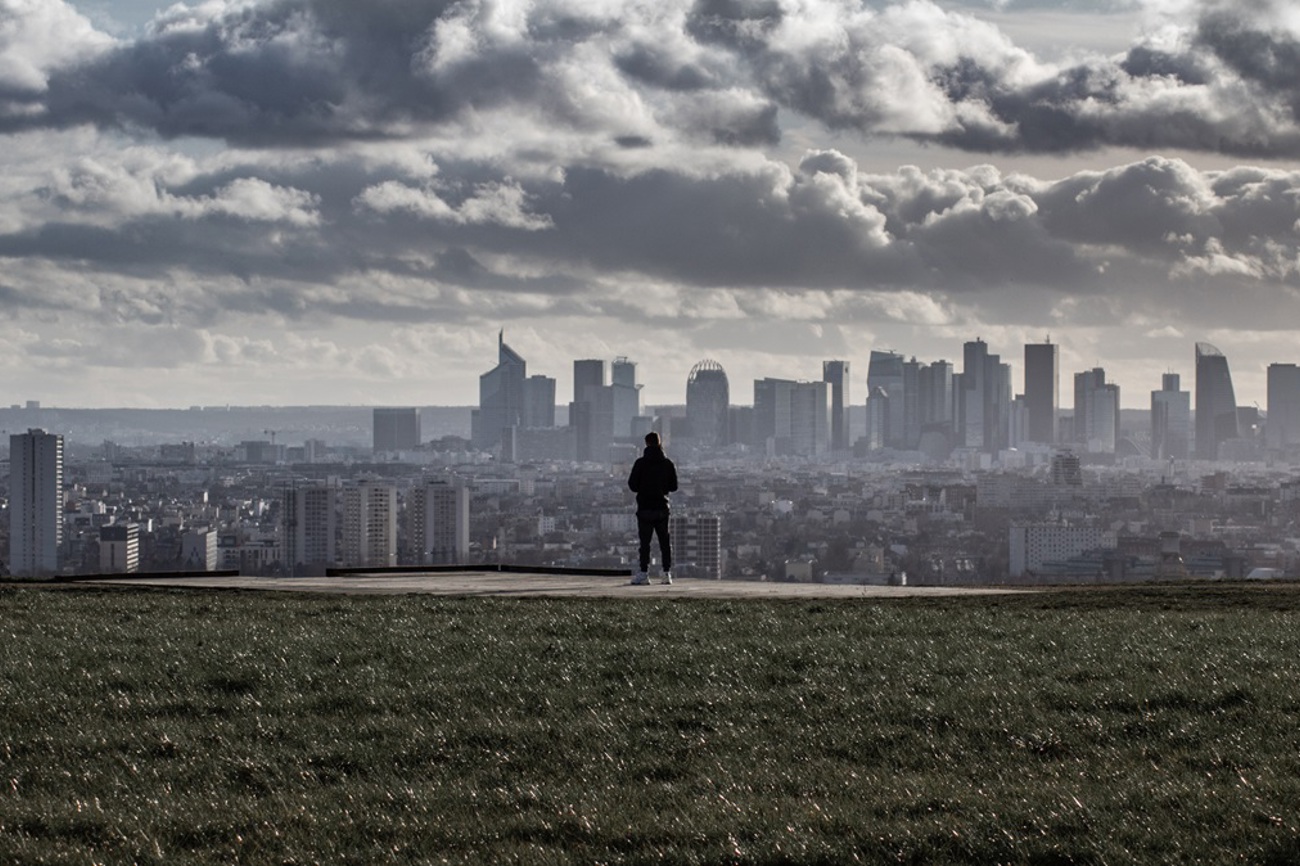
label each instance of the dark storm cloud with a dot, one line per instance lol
(352, 239)
(282, 72)
(653, 66)
(316, 72)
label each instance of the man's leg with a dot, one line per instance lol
(644, 529)
(665, 543)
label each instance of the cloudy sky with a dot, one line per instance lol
(332, 201)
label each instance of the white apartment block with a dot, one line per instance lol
(199, 550)
(119, 548)
(1033, 544)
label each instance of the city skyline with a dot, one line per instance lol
(747, 182)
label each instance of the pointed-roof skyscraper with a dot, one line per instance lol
(500, 397)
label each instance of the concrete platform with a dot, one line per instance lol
(543, 585)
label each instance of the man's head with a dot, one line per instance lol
(652, 439)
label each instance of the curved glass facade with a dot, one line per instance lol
(1216, 402)
(708, 397)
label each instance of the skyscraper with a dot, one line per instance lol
(1096, 411)
(791, 417)
(1171, 420)
(395, 430)
(626, 397)
(539, 402)
(983, 400)
(588, 373)
(35, 502)
(878, 411)
(500, 397)
(708, 399)
(1282, 429)
(836, 375)
(1042, 391)
(885, 372)
(591, 414)
(1216, 402)
(935, 399)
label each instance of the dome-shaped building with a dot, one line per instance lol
(708, 399)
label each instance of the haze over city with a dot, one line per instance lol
(301, 201)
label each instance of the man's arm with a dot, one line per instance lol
(672, 478)
(634, 479)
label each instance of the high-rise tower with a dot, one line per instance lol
(1042, 391)
(1216, 402)
(1096, 411)
(625, 398)
(35, 502)
(395, 430)
(791, 417)
(708, 398)
(1171, 420)
(983, 402)
(1282, 429)
(885, 374)
(836, 375)
(500, 397)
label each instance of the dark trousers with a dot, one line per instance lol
(654, 523)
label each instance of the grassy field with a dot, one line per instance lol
(1143, 725)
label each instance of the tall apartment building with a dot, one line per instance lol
(437, 515)
(697, 544)
(396, 429)
(310, 523)
(35, 502)
(370, 525)
(119, 548)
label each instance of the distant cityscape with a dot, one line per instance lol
(934, 475)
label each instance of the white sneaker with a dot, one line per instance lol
(640, 579)
(668, 578)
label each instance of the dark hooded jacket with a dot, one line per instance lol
(653, 477)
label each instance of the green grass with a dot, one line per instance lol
(1145, 725)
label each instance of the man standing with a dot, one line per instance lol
(653, 477)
